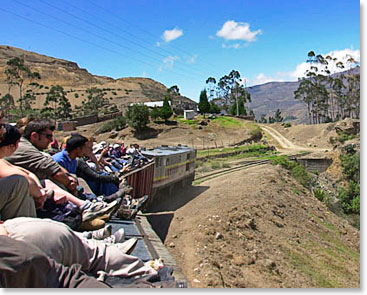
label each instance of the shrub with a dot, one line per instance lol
(256, 134)
(284, 162)
(117, 124)
(351, 166)
(298, 171)
(320, 194)
(137, 116)
(350, 198)
(215, 165)
(301, 175)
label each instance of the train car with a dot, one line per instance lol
(174, 166)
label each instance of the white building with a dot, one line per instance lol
(189, 114)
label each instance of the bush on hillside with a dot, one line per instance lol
(298, 171)
(137, 116)
(116, 124)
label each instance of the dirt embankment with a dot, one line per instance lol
(259, 228)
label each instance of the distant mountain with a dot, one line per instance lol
(269, 97)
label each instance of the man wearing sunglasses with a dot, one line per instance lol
(37, 135)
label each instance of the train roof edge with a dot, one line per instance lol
(166, 150)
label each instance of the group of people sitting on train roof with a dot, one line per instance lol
(53, 230)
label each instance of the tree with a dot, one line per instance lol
(155, 113)
(211, 87)
(137, 116)
(174, 90)
(232, 90)
(56, 104)
(204, 106)
(17, 73)
(95, 102)
(166, 111)
(214, 108)
(278, 116)
(263, 119)
(238, 107)
(6, 104)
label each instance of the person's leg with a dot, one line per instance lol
(67, 247)
(109, 188)
(15, 200)
(24, 266)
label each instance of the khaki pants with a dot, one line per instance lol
(15, 200)
(25, 266)
(67, 247)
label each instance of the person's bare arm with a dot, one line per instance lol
(35, 188)
(65, 179)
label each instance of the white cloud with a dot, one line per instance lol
(168, 63)
(262, 79)
(170, 35)
(192, 59)
(232, 30)
(235, 46)
(340, 55)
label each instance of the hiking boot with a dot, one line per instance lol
(139, 202)
(128, 246)
(92, 224)
(102, 233)
(117, 195)
(126, 213)
(98, 209)
(117, 237)
(105, 217)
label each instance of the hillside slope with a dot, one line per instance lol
(75, 80)
(252, 231)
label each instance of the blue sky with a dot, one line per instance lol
(185, 42)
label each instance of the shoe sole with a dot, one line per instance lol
(104, 211)
(128, 246)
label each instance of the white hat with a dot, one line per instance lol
(103, 143)
(97, 148)
(116, 146)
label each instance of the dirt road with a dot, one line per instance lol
(286, 145)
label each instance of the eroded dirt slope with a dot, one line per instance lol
(259, 228)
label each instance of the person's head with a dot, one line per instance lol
(116, 146)
(39, 132)
(88, 147)
(75, 145)
(10, 140)
(23, 122)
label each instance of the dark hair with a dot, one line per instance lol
(75, 141)
(38, 126)
(11, 135)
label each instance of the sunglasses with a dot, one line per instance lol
(48, 136)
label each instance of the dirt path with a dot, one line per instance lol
(285, 144)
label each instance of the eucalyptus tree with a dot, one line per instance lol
(312, 89)
(17, 73)
(57, 104)
(232, 90)
(211, 87)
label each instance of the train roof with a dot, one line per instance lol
(167, 150)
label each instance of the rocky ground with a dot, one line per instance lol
(261, 229)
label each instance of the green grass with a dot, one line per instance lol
(228, 122)
(228, 150)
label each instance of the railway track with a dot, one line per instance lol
(215, 174)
